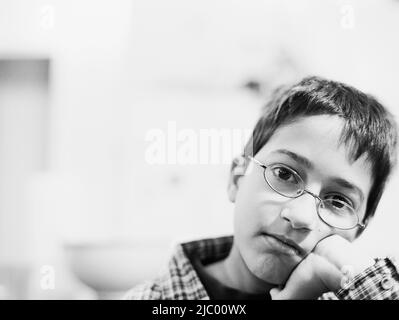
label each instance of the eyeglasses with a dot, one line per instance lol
(334, 212)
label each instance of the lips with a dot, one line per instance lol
(285, 244)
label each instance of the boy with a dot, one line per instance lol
(307, 184)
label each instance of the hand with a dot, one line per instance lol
(311, 278)
(320, 271)
(343, 253)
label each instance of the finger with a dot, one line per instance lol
(275, 293)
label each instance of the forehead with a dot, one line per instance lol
(316, 138)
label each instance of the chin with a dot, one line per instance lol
(271, 270)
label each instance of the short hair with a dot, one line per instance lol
(369, 127)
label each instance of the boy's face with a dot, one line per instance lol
(260, 212)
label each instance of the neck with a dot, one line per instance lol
(234, 273)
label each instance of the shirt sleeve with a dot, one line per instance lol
(378, 282)
(145, 291)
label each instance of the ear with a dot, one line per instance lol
(237, 170)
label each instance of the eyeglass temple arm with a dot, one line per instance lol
(256, 161)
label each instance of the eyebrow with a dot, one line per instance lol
(308, 164)
(302, 160)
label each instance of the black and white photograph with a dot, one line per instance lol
(199, 150)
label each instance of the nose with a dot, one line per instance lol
(301, 212)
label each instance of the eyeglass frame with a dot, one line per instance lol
(303, 191)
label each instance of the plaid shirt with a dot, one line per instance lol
(181, 282)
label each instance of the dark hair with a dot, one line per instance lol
(369, 128)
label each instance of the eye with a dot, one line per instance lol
(285, 174)
(338, 200)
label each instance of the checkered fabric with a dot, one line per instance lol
(181, 282)
(377, 282)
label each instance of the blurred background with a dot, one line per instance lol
(85, 86)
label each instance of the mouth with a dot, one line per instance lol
(284, 245)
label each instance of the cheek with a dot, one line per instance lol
(325, 231)
(253, 212)
(246, 202)
(349, 235)
(245, 220)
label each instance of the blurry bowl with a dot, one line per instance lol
(116, 266)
